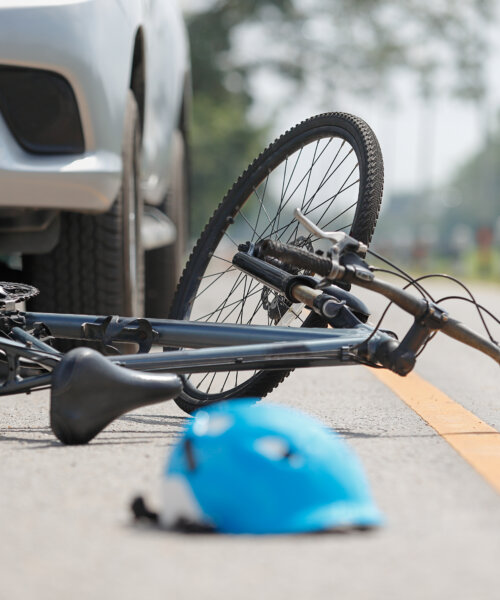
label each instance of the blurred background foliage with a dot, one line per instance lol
(252, 60)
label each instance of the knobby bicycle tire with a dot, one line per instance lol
(302, 168)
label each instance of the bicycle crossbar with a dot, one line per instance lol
(186, 334)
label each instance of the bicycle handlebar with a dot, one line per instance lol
(296, 256)
(461, 333)
(431, 314)
(421, 307)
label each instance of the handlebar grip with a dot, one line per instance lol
(461, 333)
(298, 257)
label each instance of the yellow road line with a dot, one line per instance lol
(474, 440)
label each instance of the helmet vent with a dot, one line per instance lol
(273, 447)
(213, 425)
(188, 449)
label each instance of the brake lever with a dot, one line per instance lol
(341, 243)
(340, 240)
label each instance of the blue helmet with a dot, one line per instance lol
(246, 468)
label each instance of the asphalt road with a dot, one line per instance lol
(66, 532)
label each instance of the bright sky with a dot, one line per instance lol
(422, 144)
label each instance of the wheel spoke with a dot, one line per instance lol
(283, 206)
(257, 308)
(327, 179)
(220, 309)
(224, 302)
(332, 200)
(222, 259)
(230, 238)
(282, 196)
(261, 202)
(337, 216)
(329, 200)
(238, 302)
(225, 381)
(211, 382)
(214, 281)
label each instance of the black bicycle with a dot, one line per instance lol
(266, 290)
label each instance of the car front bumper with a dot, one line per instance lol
(85, 183)
(71, 38)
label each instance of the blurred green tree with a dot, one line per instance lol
(476, 190)
(223, 140)
(316, 48)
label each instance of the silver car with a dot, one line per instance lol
(93, 103)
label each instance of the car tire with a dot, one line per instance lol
(98, 265)
(164, 265)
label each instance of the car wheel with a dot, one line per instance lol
(98, 265)
(164, 265)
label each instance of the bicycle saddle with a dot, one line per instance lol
(89, 391)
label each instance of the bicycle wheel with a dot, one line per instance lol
(331, 167)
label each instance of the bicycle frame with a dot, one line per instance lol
(217, 347)
(221, 347)
(88, 390)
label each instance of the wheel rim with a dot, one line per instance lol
(322, 177)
